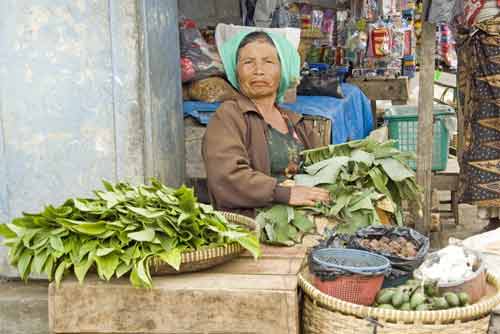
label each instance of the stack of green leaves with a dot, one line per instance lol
(118, 232)
(283, 225)
(361, 175)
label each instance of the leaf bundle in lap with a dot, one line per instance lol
(118, 231)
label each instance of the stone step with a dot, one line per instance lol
(24, 307)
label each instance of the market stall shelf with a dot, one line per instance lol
(241, 296)
(325, 314)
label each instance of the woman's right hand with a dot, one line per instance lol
(308, 196)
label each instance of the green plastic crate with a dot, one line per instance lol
(402, 122)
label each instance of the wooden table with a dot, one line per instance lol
(376, 89)
(241, 296)
(448, 180)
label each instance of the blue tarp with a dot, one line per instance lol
(351, 116)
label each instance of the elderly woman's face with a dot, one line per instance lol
(259, 70)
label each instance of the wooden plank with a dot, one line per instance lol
(383, 88)
(242, 296)
(445, 182)
(193, 138)
(182, 304)
(425, 124)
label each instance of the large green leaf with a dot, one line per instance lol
(61, 268)
(326, 175)
(23, 266)
(303, 223)
(146, 213)
(82, 268)
(91, 228)
(144, 235)
(172, 257)
(56, 243)
(396, 170)
(106, 265)
(39, 261)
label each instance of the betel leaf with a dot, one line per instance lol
(123, 268)
(90, 228)
(104, 251)
(6, 232)
(24, 263)
(39, 261)
(59, 273)
(106, 265)
(146, 213)
(56, 243)
(83, 267)
(173, 257)
(144, 235)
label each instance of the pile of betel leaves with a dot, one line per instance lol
(118, 232)
(361, 176)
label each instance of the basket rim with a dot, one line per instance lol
(208, 252)
(463, 313)
(375, 269)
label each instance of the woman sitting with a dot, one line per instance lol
(251, 145)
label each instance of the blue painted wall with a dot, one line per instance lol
(81, 98)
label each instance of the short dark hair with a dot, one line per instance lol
(253, 37)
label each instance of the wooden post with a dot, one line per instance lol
(162, 92)
(425, 123)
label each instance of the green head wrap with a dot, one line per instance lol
(289, 58)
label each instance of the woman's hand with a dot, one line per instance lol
(308, 196)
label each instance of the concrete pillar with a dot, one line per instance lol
(89, 90)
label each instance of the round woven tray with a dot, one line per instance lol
(323, 311)
(207, 257)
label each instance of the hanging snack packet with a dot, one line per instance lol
(317, 20)
(327, 25)
(306, 17)
(381, 41)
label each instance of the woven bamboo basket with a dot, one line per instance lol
(325, 314)
(207, 257)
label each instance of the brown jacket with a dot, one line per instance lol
(237, 158)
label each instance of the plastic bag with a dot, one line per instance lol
(211, 90)
(441, 11)
(199, 60)
(402, 263)
(316, 83)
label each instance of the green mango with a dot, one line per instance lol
(452, 299)
(422, 307)
(384, 296)
(386, 306)
(439, 303)
(398, 299)
(464, 298)
(405, 307)
(418, 298)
